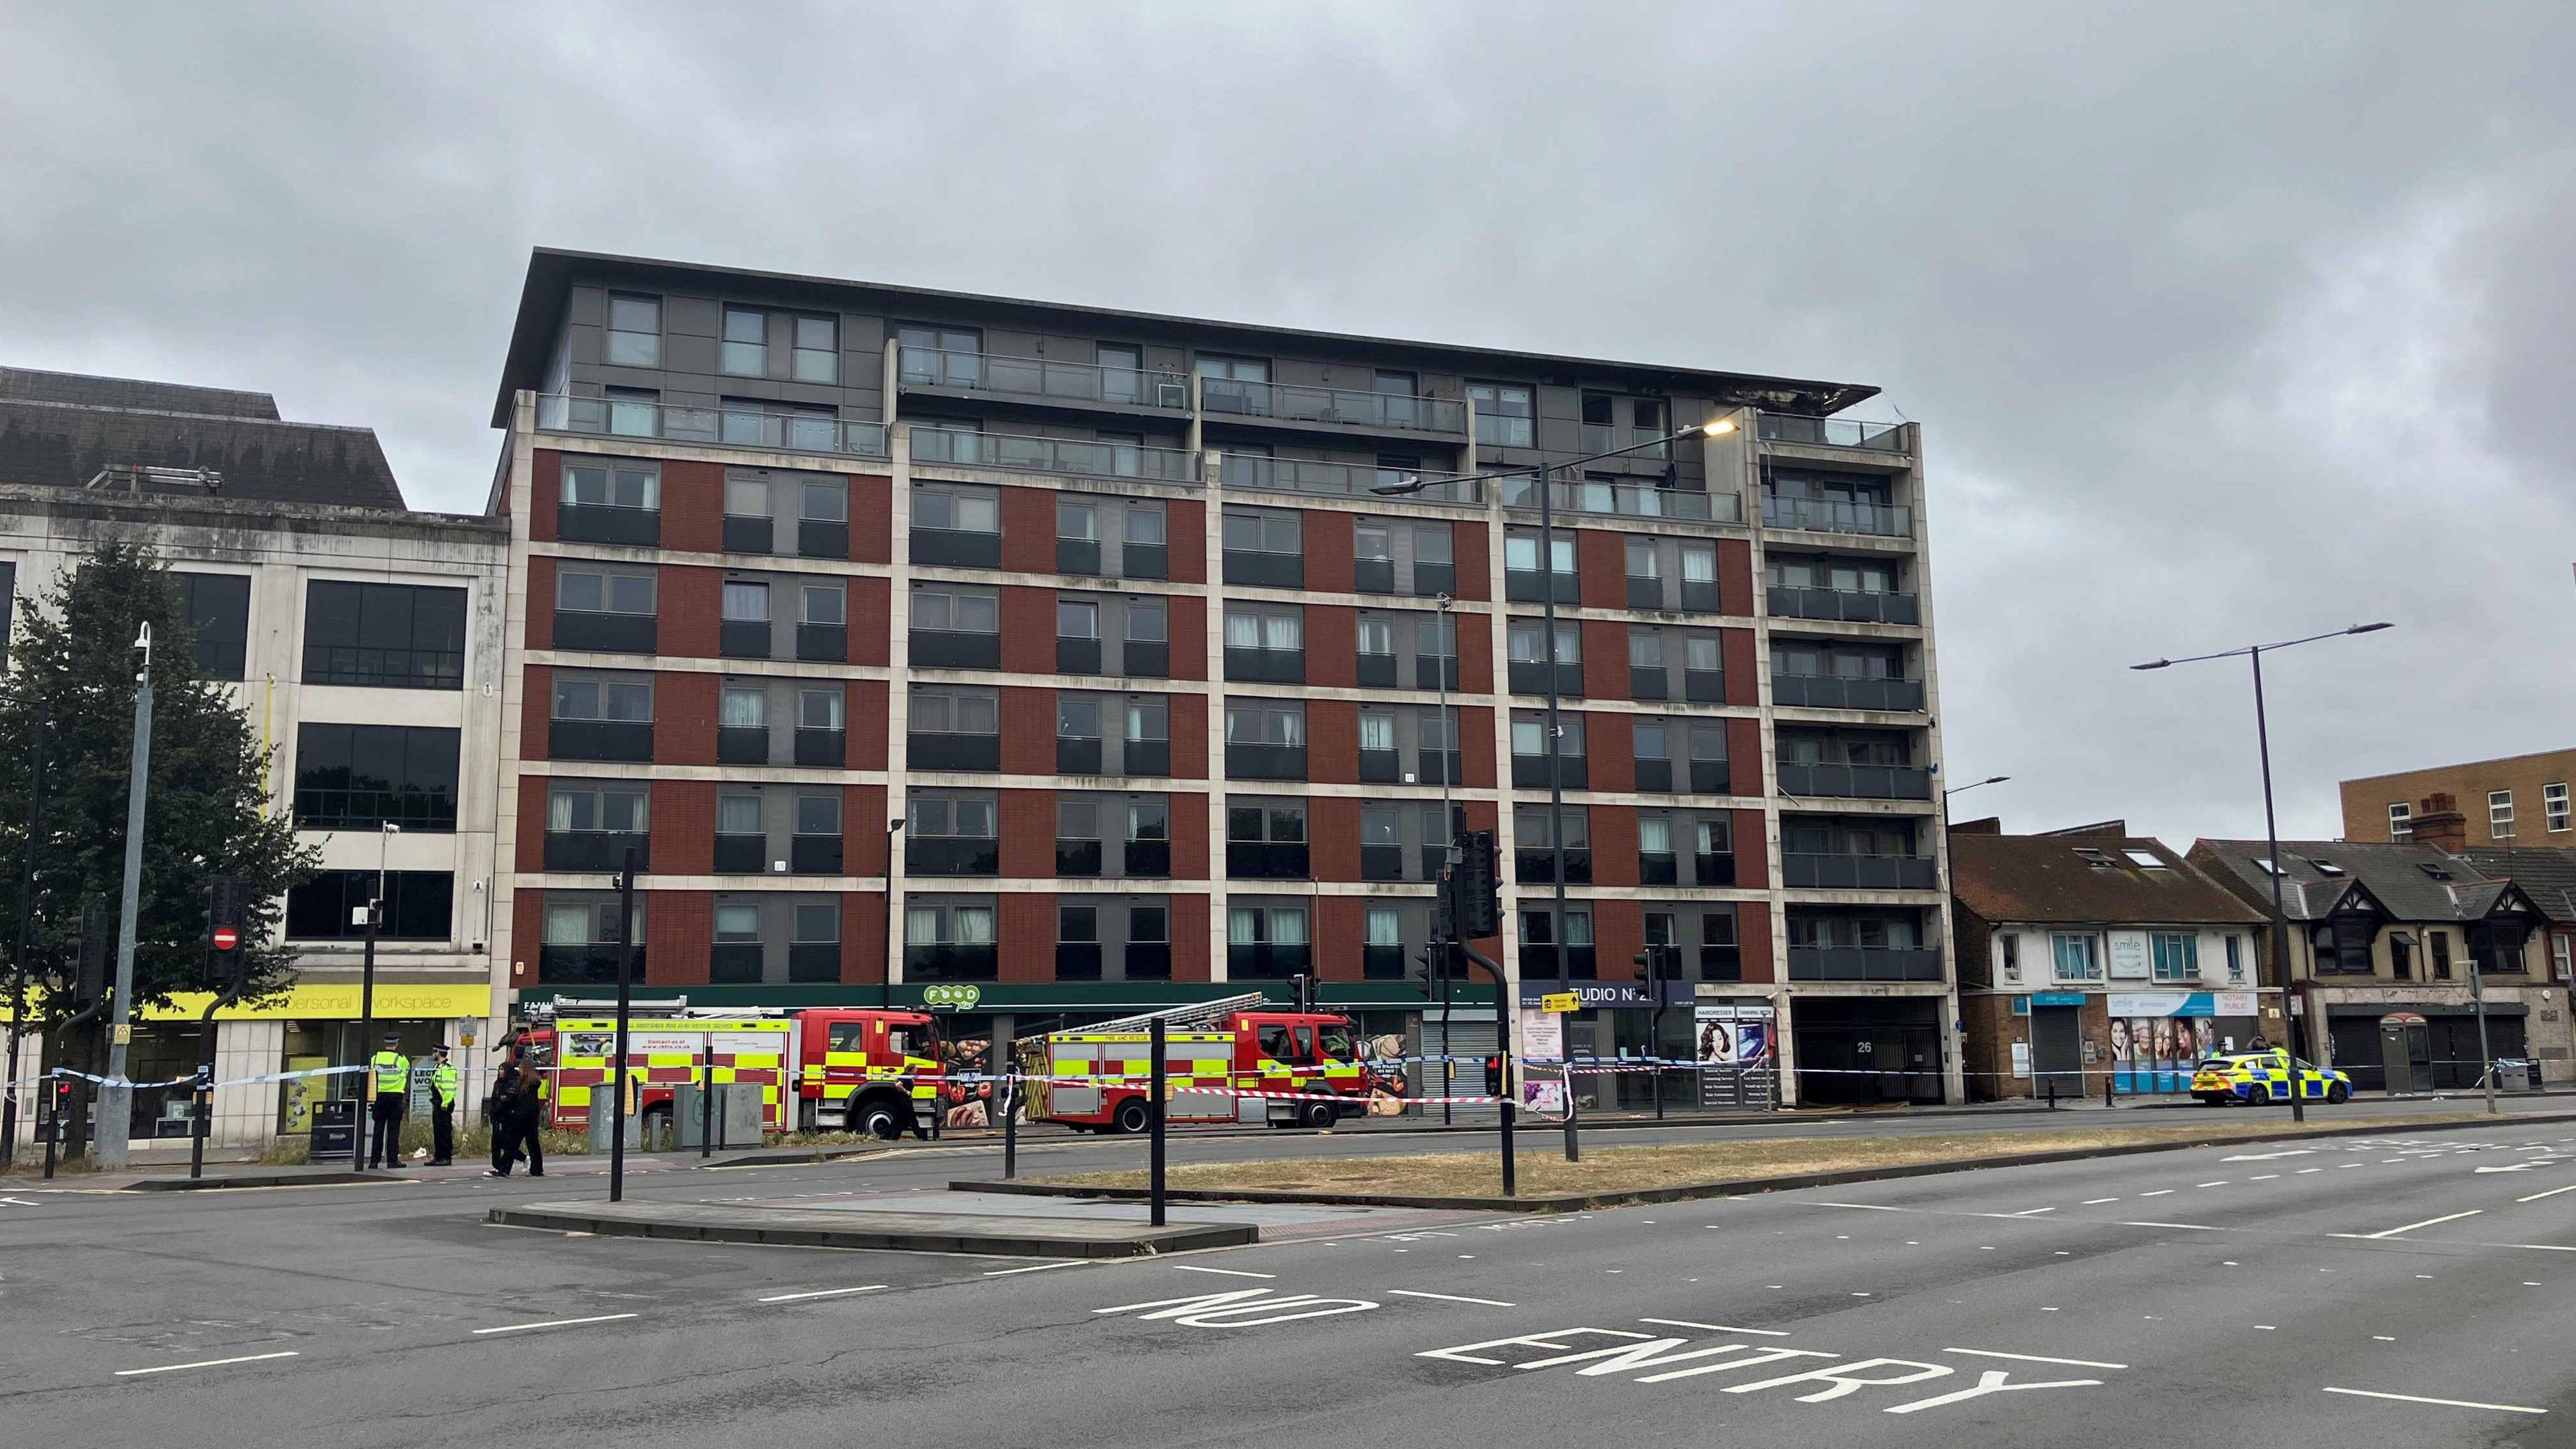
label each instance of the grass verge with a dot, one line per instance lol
(1543, 1168)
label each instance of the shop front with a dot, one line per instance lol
(1861, 1050)
(1622, 1036)
(2157, 1037)
(2422, 1046)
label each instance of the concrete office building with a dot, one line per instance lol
(362, 640)
(1083, 636)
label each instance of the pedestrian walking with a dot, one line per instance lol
(500, 1115)
(389, 1073)
(443, 1084)
(530, 1116)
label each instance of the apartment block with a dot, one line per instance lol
(2516, 800)
(1095, 643)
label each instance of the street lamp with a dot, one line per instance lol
(885, 978)
(1958, 789)
(2271, 830)
(1545, 473)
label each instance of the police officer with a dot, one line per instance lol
(389, 1073)
(443, 1086)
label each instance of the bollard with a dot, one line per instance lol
(1008, 1098)
(2107, 1099)
(707, 1106)
(1573, 1143)
(1155, 1111)
(2052, 1092)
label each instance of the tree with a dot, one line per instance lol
(205, 811)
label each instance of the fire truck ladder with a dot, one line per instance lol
(1183, 1018)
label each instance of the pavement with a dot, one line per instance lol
(2414, 1285)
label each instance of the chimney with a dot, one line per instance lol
(2439, 823)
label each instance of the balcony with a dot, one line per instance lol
(1149, 961)
(813, 961)
(1342, 480)
(827, 748)
(1076, 656)
(1373, 575)
(1063, 457)
(1525, 586)
(1713, 868)
(743, 638)
(1622, 500)
(622, 418)
(734, 963)
(1428, 672)
(1077, 754)
(1265, 570)
(949, 961)
(1710, 777)
(1040, 379)
(1077, 857)
(597, 850)
(1261, 961)
(1826, 515)
(607, 523)
(1441, 767)
(1858, 872)
(1145, 659)
(1529, 772)
(742, 854)
(1538, 963)
(951, 855)
(954, 649)
(1381, 862)
(1149, 858)
(1296, 403)
(742, 744)
(822, 538)
(749, 535)
(814, 854)
(1529, 677)
(1538, 865)
(1154, 758)
(956, 548)
(1658, 867)
(954, 752)
(1855, 782)
(1381, 767)
(1077, 960)
(1841, 606)
(1649, 682)
(600, 739)
(1265, 666)
(1826, 691)
(1265, 860)
(1832, 433)
(1077, 556)
(823, 643)
(1721, 963)
(605, 633)
(1863, 963)
(1260, 762)
(1380, 961)
(593, 964)
(1654, 776)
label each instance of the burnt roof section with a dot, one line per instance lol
(2411, 882)
(62, 430)
(2052, 878)
(552, 273)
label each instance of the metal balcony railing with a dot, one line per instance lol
(1626, 501)
(1834, 433)
(1349, 480)
(1076, 457)
(1296, 403)
(1610, 438)
(1042, 378)
(1827, 515)
(636, 418)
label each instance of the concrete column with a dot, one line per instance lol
(899, 681)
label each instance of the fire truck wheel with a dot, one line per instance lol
(1134, 1116)
(878, 1117)
(1322, 1112)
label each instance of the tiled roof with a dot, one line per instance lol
(2317, 872)
(2064, 878)
(2546, 873)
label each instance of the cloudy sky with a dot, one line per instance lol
(2221, 329)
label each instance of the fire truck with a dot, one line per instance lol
(1096, 1078)
(821, 1068)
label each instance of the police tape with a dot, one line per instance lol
(40, 1079)
(1315, 1096)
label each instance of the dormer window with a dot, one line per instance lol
(2324, 866)
(2100, 858)
(2146, 860)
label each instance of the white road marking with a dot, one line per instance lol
(2268, 1327)
(2195, 1227)
(1042, 1267)
(2553, 1192)
(821, 1293)
(1229, 1272)
(2096, 1201)
(2035, 1358)
(171, 1368)
(2410, 1227)
(1716, 1327)
(2031, 1212)
(2263, 1177)
(2304, 1171)
(2159, 1192)
(2544, 1247)
(2445, 1403)
(2382, 1338)
(1863, 1206)
(1452, 1298)
(2222, 1182)
(557, 1323)
(2268, 1156)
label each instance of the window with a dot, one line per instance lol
(628, 701)
(1717, 837)
(1077, 520)
(2146, 860)
(1077, 718)
(1077, 619)
(1145, 524)
(958, 712)
(1538, 928)
(631, 411)
(1377, 732)
(746, 497)
(818, 814)
(1644, 561)
(218, 608)
(746, 603)
(953, 611)
(330, 906)
(1264, 724)
(949, 818)
(2176, 956)
(603, 591)
(743, 708)
(1373, 543)
(1699, 563)
(391, 636)
(2012, 954)
(634, 331)
(941, 358)
(1265, 926)
(1505, 416)
(361, 776)
(824, 502)
(948, 925)
(618, 809)
(1645, 649)
(1654, 835)
(818, 350)
(2500, 814)
(746, 342)
(1528, 735)
(1148, 720)
(738, 815)
(1149, 820)
(2562, 955)
(1147, 621)
(1700, 654)
(1377, 636)
(957, 510)
(2553, 805)
(1120, 367)
(738, 924)
(1431, 544)
(1250, 532)
(2401, 822)
(2439, 942)
(1534, 832)
(824, 604)
(617, 484)
(1520, 554)
(819, 709)
(1278, 629)
(589, 923)
(2099, 859)
(2235, 958)
(1381, 929)
(2078, 958)
(1278, 823)
(1653, 743)
(1527, 642)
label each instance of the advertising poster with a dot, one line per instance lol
(2158, 1037)
(1737, 1061)
(1542, 1040)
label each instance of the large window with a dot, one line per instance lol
(219, 616)
(2401, 822)
(604, 591)
(2500, 814)
(1520, 554)
(624, 701)
(2177, 956)
(961, 612)
(612, 483)
(361, 777)
(1505, 416)
(746, 342)
(818, 350)
(614, 809)
(331, 906)
(955, 712)
(2077, 957)
(1251, 531)
(634, 331)
(1265, 724)
(956, 510)
(389, 636)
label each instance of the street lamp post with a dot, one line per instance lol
(1962, 789)
(2271, 828)
(885, 978)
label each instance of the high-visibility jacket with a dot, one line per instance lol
(443, 1084)
(392, 1072)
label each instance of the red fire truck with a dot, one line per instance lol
(1095, 1078)
(821, 1068)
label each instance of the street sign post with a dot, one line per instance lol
(1561, 1001)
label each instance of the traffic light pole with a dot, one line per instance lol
(1502, 1049)
(116, 1096)
(625, 1004)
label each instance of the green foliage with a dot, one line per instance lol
(74, 666)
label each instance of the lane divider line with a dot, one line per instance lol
(171, 1368)
(2445, 1403)
(557, 1323)
(1452, 1298)
(2195, 1227)
(821, 1293)
(2553, 1192)
(1229, 1272)
(1716, 1327)
(2036, 1358)
(2410, 1227)
(1032, 1268)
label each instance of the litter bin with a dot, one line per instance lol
(2517, 1074)
(737, 1116)
(335, 1130)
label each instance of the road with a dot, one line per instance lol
(2267, 1292)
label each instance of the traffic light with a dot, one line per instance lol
(227, 931)
(97, 945)
(1494, 1075)
(1476, 887)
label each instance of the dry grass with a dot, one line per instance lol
(1543, 1168)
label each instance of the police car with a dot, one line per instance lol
(2255, 1078)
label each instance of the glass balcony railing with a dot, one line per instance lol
(726, 427)
(1842, 605)
(1834, 433)
(1042, 378)
(1626, 501)
(1077, 457)
(1295, 403)
(1829, 515)
(1610, 438)
(1354, 480)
